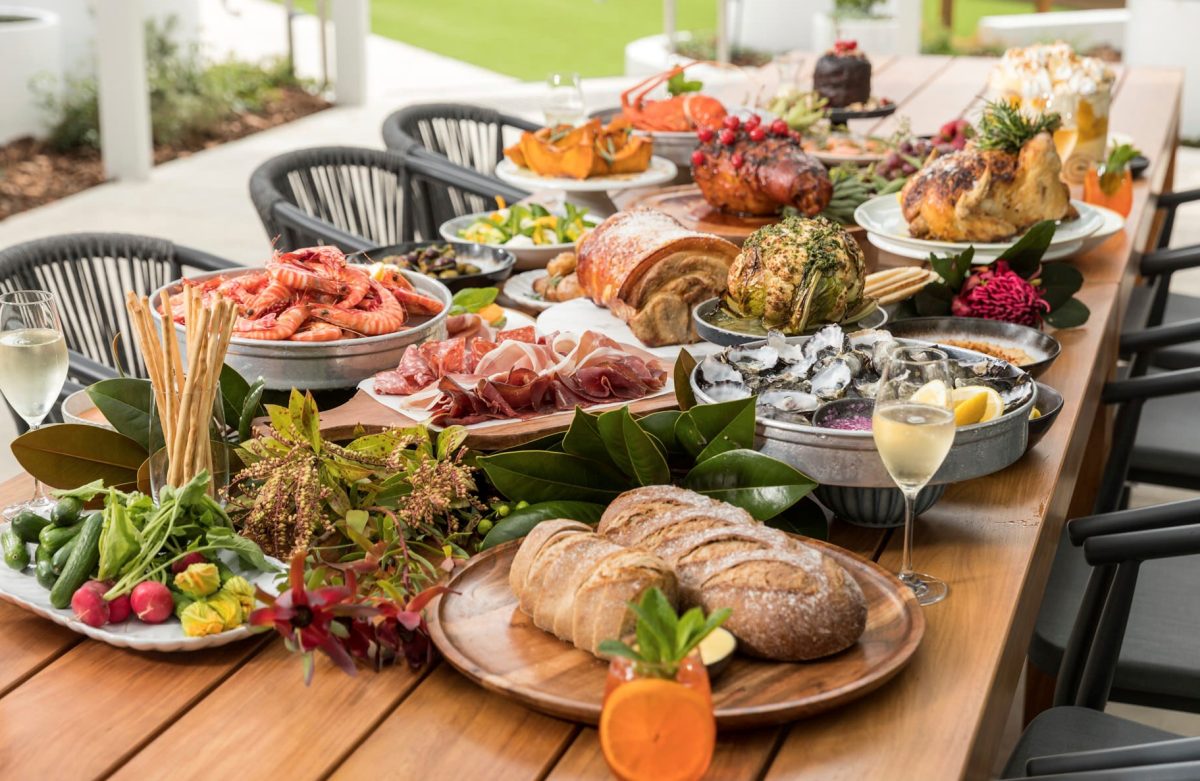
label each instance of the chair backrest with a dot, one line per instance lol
(440, 190)
(470, 136)
(320, 195)
(89, 273)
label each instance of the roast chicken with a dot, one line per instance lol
(986, 195)
(650, 271)
(761, 177)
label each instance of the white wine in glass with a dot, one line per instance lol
(33, 364)
(913, 426)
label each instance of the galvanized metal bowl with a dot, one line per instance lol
(849, 458)
(322, 365)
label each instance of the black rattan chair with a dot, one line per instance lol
(346, 196)
(1076, 739)
(89, 273)
(440, 190)
(469, 136)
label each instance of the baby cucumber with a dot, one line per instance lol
(27, 525)
(62, 554)
(46, 576)
(80, 564)
(16, 555)
(54, 537)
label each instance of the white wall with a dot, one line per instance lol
(1162, 33)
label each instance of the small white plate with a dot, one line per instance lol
(882, 216)
(661, 170)
(580, 314)
(21, 589)
(516, 319)
(1114, 223)
(519, 289)
(78, 407)
(981, 257)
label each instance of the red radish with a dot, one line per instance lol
(192, 558)
(119, 609)
(89, 606)
(151, 601)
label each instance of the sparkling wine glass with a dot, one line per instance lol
(563, 104)
(913, 425)
(33, 365)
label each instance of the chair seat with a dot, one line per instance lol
(1179, 307)
(1160, 656)
(1067, 729)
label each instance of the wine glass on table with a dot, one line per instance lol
(563, 104)
(33, 366)
(913, 425)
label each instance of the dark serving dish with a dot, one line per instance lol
(495, 264)
(840, 116)
(706, 316)
(1049, 403)
(1040, 346)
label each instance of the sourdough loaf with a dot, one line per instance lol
(790, 602)
(577, 585)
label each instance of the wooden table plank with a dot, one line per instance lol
(451, 728)
(902, 83)
(298, 732)
(107, 703)
(944, 97)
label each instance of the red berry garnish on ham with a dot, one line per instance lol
(698, 157)
(753, 121)
(758, 134)
(737, 160)
(728, 137)
(705, 134)
(779, 128)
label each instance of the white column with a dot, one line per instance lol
(126, 144)
(351, 26)
(669, 24)
(722, 31)
(908, 19)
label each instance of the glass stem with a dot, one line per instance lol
(910, 500)
(39, 491)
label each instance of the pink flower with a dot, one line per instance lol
(999, 293)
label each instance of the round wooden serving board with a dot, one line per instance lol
(485, 636)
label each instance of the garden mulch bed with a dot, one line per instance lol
(32, 174)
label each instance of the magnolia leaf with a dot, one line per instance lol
(125, 403)
(953, 268)
(68, 455)
(251, 409)
(631, 449)
(661, 426)
(521, 522)
(737, 433)
(805, 517)
(583, 438)
(546, 476)
(1060, 282)
(234, 390)
(688, 436)
(682, 376)
(1025, 256)
(759, 484)
(143, 478)
(933, 300)
(1071, 314)
(549, 442)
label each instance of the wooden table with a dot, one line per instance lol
(74, 708)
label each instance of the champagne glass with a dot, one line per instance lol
(913, 425)
(33, 365)
(563, 104)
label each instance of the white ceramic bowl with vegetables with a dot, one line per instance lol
(531, 232)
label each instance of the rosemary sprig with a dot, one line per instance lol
(1004, 127)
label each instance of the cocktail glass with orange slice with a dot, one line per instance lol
(657, 722)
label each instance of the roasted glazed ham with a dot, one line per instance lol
(747, 168)
(467, 380)
(1004, 182)
(650, 271)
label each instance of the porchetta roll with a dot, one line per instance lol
(650, 271)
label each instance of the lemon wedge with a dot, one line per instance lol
(934, 393)
(1035, 414)
(976, 404)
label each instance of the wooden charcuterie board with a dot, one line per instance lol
(362, 410)
(482, 632)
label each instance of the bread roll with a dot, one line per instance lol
(577, 585)
(790, 601)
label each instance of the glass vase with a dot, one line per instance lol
(190, 457)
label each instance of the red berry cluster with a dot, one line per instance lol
(728, 135)
(845, 47)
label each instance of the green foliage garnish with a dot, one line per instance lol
(472, 299)
(1114, 167)
(664, 638)
(1003, 126)
(678, 84)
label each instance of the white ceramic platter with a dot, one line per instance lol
(883, 217)
(660, 171)
(580, 314)
(21, 589)
(981, 257)
(519, 289)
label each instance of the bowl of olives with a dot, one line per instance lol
(456, 265)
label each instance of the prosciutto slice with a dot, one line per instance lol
(464, 380)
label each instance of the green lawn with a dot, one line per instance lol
(531, 38)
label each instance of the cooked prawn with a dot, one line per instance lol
(272, 326)
(357, 282)
(271, 297)
(378, 313)
(314, 331)
(312, 269)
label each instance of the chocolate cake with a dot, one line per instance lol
(843, 75)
